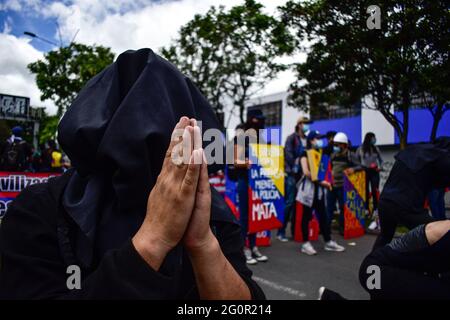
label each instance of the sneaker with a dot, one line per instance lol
(258, 256)
(308, 249)
(282, 238)
(373, 225)
(248, 257)
(327, 294)
(333, 246)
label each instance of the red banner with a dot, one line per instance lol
(12, 183)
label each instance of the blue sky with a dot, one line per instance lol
(118, 24)
(20, 21)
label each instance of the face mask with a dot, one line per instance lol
(305, 127)
(373, 141)
(318, 144)
(336, 149)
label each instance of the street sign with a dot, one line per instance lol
(14, 106)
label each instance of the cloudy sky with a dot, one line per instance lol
(119, 24)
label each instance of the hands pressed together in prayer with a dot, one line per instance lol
(178, 208)
(178, 211)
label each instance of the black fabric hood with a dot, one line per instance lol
(116, 134)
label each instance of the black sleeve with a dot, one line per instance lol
(442, 171)
(231, 243)
(409, 268)
(32, 268)
(289, 153)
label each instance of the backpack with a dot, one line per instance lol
(14, 155)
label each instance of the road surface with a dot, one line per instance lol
(290, 274)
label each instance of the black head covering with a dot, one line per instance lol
(116, 134)
(416, 157)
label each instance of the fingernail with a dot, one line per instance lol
(197, 138)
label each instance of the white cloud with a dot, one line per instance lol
(15, 79)
(122, 25)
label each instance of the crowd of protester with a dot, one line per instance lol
(17, 155)
(325, 199)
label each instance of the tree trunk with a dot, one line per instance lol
(437, 116)
(405, 110)
(241, 111)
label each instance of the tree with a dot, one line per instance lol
(63, 72)
(230, 55)
(348, 63)
(432, 89)
(48, 128)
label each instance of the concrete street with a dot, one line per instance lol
(290, 274)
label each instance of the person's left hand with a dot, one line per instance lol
(198, 234)
(326, 184)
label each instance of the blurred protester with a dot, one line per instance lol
(328, 150)
(414, 266)
(312, 195)
(369, 157)
(293, 148)
(66, 164)
(417, 170)
(36, 159)
(135, 223)
(16, 152)
(46, 157)
(56, 165)
(255, 122)
(342, 162)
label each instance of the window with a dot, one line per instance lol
(335, 112)
(272, 112)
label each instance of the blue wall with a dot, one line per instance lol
(350, 126)
(420, 123)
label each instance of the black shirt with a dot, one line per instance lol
(34, 249)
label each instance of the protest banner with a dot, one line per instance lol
(313, 157)
(354, 204)
(313, 227)
(266, 187)
(319, 165)
(232, 200)
(230, 195)
(12, 183)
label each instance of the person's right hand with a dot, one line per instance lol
(434, 231)
(171, 201)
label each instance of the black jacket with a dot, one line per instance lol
(417, 170)
(38, 241)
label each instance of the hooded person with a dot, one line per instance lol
(417, 170)
(91, 218)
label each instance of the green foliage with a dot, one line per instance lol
(63, 72)
(348, 63)
(48, 128)
(230, 55)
